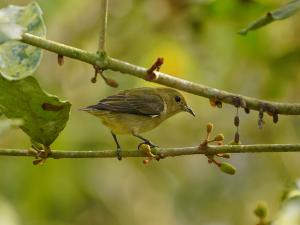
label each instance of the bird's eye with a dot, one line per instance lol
(177, 98)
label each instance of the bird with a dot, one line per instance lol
(138, 110)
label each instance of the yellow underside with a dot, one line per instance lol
(122, 123)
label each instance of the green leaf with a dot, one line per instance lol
(279, 14)
(44, 115)
(17, 59)
(5, 125)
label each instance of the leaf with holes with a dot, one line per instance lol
(279, 14)
(19, 60)
(44, 116)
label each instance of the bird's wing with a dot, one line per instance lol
(135, 101)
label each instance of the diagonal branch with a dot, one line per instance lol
(164, 152)
(103, 27)
(107, 62)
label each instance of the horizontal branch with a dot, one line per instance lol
(163, 152)
(107, 62)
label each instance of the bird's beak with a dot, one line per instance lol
(189, 110)
(84, 109)
(87, 109)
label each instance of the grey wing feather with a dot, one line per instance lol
(138, 101)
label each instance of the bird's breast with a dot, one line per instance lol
(122, 123)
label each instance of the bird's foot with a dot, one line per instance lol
(147, 142)
(41, 153)
(150, 155)
(119, 154)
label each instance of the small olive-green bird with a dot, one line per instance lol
(138, 110)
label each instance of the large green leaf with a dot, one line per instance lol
(18, 60)
(279, 14)
(44, 115)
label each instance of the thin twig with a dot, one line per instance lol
(103, 27)
(107, 62)
(163, 152)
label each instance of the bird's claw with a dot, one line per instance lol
(41, 154)
(150, 144)
(119, 154)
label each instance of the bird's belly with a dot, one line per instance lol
(121, 123)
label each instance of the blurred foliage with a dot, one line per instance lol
(289, 212)
(199, 41)
(281, 13)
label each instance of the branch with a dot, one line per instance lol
(165, 152)
(107, 62)
(103, 27)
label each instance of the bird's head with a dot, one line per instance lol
(175, 101)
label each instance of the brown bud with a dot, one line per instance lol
(60, 59)
(247, 110)
(260, 123)
(111, 83)
(159, 63)
(260, 119)
(146, 161)
(236, 121)
(209, 128)
(94, 79)
(236, 137)
(219, 137)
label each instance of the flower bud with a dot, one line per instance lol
(209, 128)
(219, 137)
(111, 83)
(146, 161)
(236, 121)
(236, 137)
(227, 168)
(60, 59)
(261, 210)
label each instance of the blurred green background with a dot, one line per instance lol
(199, 41)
